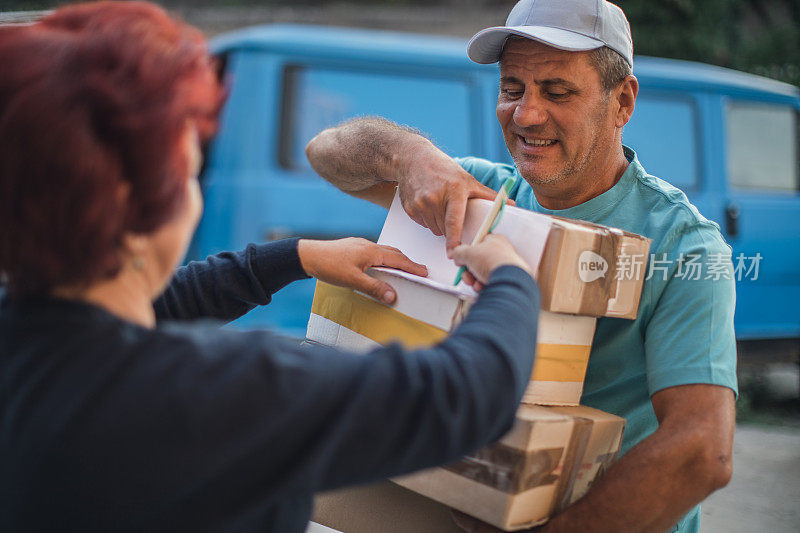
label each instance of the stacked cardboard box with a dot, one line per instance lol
(553, 454)
(579, 273)
(545, 463)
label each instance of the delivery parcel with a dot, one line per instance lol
(579, 269)
(544, 464)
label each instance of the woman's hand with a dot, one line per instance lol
(483, 258)
(343, 262)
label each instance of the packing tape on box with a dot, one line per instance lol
(512, 470)
(603, 463)
(578, 442)
(370, 319)
(341, 317)
(560, 362)
(517, 483)
(607, 288)
(595, 294)
(509, 469)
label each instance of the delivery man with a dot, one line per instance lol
(566, 92)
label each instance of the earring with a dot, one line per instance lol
(137, 262)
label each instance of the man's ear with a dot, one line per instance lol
(625, 95)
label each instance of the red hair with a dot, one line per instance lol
(94, 100)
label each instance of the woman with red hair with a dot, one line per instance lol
(121, 412)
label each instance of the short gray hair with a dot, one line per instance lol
(610, 65)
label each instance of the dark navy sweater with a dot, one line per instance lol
(108, 426)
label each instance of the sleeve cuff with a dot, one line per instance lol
(697, 375)
(277, 263)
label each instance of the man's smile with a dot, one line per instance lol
(535, 145)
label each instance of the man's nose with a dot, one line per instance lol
(530, 111)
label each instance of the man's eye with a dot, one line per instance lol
(512, 93)
(557, 95)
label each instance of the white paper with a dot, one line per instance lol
(526, 230)
(418, 243)
(462, 290)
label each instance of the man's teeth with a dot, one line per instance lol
(538, 142)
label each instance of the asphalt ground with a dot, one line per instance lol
(764, 492)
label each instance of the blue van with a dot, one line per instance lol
(728, 139)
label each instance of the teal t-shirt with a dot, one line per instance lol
(683, 333)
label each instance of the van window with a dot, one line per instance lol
(762, 146)
(663, 131)
(317, 98)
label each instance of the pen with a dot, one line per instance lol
(491, 220)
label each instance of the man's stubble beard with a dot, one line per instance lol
(573, 169)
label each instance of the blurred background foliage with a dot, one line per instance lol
(758, 36)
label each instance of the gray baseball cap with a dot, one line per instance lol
(572, 25)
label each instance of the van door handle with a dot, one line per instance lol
(732, 213)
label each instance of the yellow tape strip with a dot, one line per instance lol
(554, 362)
(560, 362)
(371, 319)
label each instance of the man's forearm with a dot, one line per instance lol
(362, 153)
(649, 489)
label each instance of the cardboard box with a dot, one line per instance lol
(553, 454)
(602, 448)
(594, 270)
(428, 308)
(423, 316)
(547, 462)
(563, 345)
(381, 507)
(582, 268)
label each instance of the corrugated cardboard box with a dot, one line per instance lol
(563, 345)
(601, 452)
(428, 308)
(593, 270)
(382, 507)
(582, 268)
(545, 463)
(423, 316)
